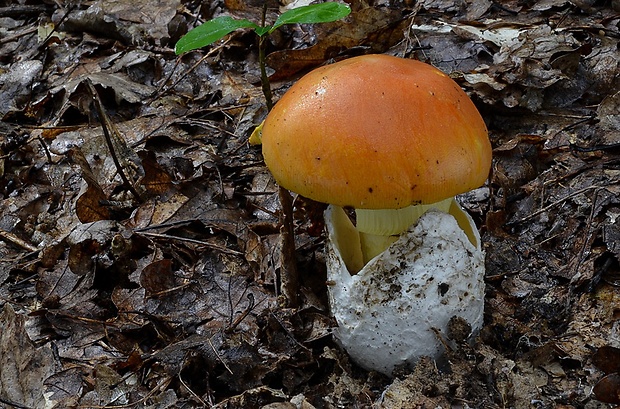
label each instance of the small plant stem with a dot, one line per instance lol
(289, 279)
(264, 78)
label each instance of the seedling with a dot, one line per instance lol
(217, 28)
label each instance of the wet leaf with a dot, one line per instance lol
(91, 246)
(155, 179)
(607, 359)
(157, 277)
(16, 85)
(89, 206)
(174, 301)
(65, 387)
(608, 389)
(609, 114)
(24, 366)
(133, 23)
(123, 88)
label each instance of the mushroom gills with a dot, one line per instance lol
(378, 229)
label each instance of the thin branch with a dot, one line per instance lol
(289, 278)
(223, 249)
(105, 123)
(10, 237)
(557, 202)
(243, 315)
(219, 357)
(194, 394)
(13, 404)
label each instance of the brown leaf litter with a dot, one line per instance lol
(140, 243)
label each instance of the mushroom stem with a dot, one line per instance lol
(380, 228)
(374, 244)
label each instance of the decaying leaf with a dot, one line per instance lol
(607, 358)
(25, 366)
(375, 28)
(16, 85)
(89, 206)
(173, 300)
(608, 389)
(609, 115)
(134, 24)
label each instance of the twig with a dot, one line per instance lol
(160, 386)
(557, 202)
(55, 29)
(289, 279)
(594, 148)
(219, 357)
(13, 404)
(264, 79)
(244, 314)
(288, 332)
(105, 125)
(10, 237)
(194, 394)
(576, 273)
(45, 149)
(160, 91)
(16, 10)
(18, 35)
(194, 241)
(169, 290)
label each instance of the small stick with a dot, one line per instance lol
(289, 278)
(106, 124)
(10, 237)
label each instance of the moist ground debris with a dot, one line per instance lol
(140, 246)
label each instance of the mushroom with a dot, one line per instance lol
(395, 139)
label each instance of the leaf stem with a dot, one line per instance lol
(264, 78)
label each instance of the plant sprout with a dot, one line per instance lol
(217, 28)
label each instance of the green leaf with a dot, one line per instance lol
(261, 31)
(209, 32)
(314, 13)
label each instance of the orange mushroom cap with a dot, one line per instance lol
(376, 132)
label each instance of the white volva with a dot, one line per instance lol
(386, 312)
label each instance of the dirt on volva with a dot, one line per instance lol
(141, 252)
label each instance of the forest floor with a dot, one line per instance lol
(140, 246)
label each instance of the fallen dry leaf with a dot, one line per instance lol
(24, 365)
(173, 300)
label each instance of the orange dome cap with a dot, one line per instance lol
(376, 132)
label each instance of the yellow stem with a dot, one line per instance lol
(380, 228)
